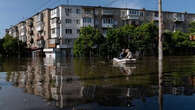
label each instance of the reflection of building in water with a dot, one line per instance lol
(52, 81)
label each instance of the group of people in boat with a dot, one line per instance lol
(126, 53)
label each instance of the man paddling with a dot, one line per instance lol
(122, 54)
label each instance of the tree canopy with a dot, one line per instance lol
(89, 39)
(10, 46)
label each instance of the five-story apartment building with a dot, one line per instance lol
(55, 30)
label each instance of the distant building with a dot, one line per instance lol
(55, 30)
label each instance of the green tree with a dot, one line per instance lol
(1, 47)
(119, 38)
(192, 27)
(146, 38)
(181, 40)
(176, 42)
(12, 46)
(88, 42)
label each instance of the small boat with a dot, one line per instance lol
(124, 61)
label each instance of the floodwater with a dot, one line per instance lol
(95, 84)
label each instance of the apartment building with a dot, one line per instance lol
(30, 32)
(55, 30)
(41, 29)
(66, 22)
(22, 31)
(13, 31)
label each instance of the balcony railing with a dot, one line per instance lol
(106, 25)
(40, 26)
(178, 17)
(155, 18)
(54, 23)
(132, 17)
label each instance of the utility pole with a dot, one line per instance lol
(160, 47)
(160, 56)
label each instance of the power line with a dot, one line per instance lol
(42, 5)
(111, 2)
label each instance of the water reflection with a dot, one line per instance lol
(95, 84)
(160, 84)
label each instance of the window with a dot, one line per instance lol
(108, 20)
(141, 13)
(96, 22)
(78, 11)
(156, 14)
(39, 17)
(53, 12)
(53, 31)
(134, 12)
(179, 15)
(68, 11)
(78, 31)
(88, 12)
(68, 31)
(87, 20)
(78, 21)
(68, 21)
(123, 13)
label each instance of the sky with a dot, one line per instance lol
(14, 11)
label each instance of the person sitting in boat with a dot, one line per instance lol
(129, 54)
(122, 54)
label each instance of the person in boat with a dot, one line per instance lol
(129, 54)
(122, 54)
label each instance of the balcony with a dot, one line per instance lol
(22, 33)
(31, 32)
(40, 26)
(133, 17)
(107, 25)
(39, 18)
(155, 18)
(87, 21)
(55, 13)
(55, 33)
(178, 17)
(22, 38)
(54, 23)
(108, 22)
(30, 22)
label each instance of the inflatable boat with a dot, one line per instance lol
(124, 61)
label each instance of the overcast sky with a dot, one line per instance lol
(13, 11)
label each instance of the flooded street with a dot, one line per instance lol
(95, 84)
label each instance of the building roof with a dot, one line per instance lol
(87, 6)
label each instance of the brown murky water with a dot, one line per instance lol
(95, 84)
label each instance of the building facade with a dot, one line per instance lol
(55, 30)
